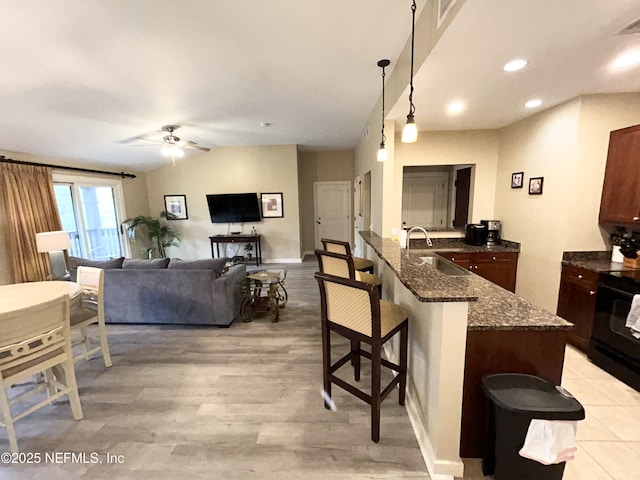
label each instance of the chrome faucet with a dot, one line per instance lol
(426, 235)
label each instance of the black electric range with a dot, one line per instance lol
(614, 347)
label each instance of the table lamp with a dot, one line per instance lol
(54, 243)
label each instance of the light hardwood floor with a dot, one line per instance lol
(244, 403)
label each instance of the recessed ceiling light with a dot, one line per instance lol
(626, 60)
(533, 103)
(515, 65)
(455, 107)
(265, 124)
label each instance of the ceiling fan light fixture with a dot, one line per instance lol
(172, 151)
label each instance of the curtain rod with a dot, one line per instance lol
(3, 159)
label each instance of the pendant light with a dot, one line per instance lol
(382, 153)
(410, 131)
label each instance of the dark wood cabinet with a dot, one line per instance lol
(499, 268)
(577, 303)
(620, 202)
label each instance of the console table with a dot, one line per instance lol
(216, 240)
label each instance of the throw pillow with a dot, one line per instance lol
(136, 264)
(215, 264)
(75, 262)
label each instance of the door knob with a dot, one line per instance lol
(318, 222)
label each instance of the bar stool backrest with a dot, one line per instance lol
(336, 246)
(336, 264)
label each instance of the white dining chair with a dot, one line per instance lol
(90, 311)
(34, 341)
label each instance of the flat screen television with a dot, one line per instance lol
(233, 207)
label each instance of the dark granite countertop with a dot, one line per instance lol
(458, 245)
(598, 261)
(490, 306)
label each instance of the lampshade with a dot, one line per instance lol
(410, 131)
(382, 154)
(53, 241)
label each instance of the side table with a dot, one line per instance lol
(252, 239)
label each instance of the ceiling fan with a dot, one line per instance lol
(172, 146)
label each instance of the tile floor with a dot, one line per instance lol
(609, 437)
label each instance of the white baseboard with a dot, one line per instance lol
(282, 260)
(447, 470)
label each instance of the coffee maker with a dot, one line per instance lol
(493, 231)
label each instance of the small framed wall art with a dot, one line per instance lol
(535, 185)
(271, 205)
(176, 205)
(517, 180)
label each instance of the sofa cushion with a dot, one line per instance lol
(136, 264)
(215, 264)
(75, 262)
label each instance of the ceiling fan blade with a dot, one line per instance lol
(194, 145)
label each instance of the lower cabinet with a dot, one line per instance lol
(577, 303)
(499, 268)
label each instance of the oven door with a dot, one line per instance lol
(612, 308)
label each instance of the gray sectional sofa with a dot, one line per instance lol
(168, 291)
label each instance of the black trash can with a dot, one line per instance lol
(513, 401)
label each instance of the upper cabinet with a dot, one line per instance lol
(620, 204)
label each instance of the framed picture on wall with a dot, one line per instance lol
(535, 185)
(176, 205)
(517, 180)
(271, 205)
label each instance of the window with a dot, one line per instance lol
(91, 210)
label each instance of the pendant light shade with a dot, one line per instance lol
(410, 130)
(382, 153)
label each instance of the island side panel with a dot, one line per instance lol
(536, 352)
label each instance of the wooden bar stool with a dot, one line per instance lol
(343, 266)
(343, 248)
(354, 310)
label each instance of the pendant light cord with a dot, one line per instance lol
(384, 139)
(412, 109)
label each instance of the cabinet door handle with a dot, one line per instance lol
(470, 267)
(579, 277)
(453, 259)
(592, 292)
(635, 219)
(493, 258)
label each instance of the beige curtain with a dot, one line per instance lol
(30, 208)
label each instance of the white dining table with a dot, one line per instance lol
(17, 296)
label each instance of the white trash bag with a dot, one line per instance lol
(550, 441)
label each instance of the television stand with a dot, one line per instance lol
(216, 240)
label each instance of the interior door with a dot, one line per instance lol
(463, 185)
(332, 211)
(424, 200)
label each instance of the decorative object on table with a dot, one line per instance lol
(272, 205)
(517, 180)
(161, 236)
(248, 247)
(176, 205)
(535, 185)
(54, 243)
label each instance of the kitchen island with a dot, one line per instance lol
(461, 328)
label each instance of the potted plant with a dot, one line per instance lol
(248, 247)
(159, 234)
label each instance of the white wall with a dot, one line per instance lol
(477, 147)
(567, 145)
(260, 169)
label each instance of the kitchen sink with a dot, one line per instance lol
(444, 266)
